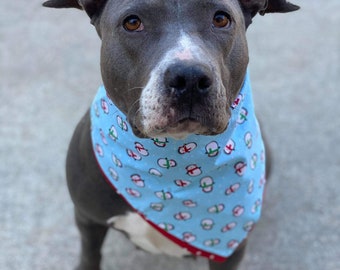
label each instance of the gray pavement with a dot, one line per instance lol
(49, 71)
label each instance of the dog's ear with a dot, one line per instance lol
(251, 7)
(92, 7)
(62, 4)
(281, 6)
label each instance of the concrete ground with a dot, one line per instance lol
(49, 72)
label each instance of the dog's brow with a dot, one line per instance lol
(142, 6)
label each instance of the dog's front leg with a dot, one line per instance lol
(232, 262)
(92, 237)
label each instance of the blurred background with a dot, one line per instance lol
(49, 72)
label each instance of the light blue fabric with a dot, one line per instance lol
(206, 191)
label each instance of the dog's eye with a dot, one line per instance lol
(221, 19)
(133, 23)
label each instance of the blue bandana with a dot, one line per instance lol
(202, 192)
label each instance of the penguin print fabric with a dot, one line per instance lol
(203, 192)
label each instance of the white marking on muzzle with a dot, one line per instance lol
(153, 112)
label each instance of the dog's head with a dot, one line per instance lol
(174, 66)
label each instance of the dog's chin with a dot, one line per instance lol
(182, 129)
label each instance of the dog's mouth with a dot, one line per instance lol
(178, 120)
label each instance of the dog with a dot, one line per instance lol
(170, 151)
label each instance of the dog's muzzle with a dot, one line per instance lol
(182, 98)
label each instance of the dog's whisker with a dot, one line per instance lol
(133, 115)
(132, 112)
(135, 88)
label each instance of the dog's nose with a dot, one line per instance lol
(188, 81)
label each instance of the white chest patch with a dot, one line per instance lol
(144, 236)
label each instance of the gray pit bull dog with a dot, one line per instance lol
(185, 171)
